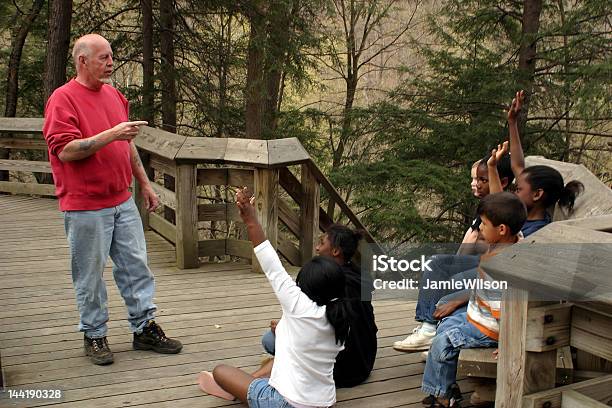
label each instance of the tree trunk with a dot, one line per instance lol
(527, 53)
(148, 67)
(566, 88)
(168, 76)
(345, 132)
(148, 89)
(222, 72)
(12, 81)
(255, 90)
(168, 84)
(60, 19)
(280, 17)
(269, 38)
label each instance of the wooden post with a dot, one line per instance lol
(144, 214)
(1, 375)
(186, 217)
(266, 194)
(309, 216)
(519, 372)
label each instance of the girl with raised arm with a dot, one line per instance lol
(539, 187)
(309, 336)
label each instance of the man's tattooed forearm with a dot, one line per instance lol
(136, 157)
(138, 161)
(86, 145)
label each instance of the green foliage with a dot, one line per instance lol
(405, 158)
(30, 100)
(450, 112)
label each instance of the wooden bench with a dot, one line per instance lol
(552, 327)
(548, 325)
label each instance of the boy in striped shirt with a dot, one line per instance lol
(502, 215)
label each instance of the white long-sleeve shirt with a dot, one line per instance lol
(305, 349)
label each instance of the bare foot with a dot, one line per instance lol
(265, 369)
(208, 384)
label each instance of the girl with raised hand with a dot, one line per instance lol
(539, 187)
(310, 334)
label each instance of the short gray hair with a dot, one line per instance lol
(81, 47)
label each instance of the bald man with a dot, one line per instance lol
(93, 159)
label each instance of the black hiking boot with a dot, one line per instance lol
(98, 351)
(153, 338)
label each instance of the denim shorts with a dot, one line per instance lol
(263, 395)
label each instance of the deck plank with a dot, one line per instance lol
(219, 311)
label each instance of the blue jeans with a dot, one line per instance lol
(454, 333)
(268, 341)
(262, 395)
(93, 236)
(444, 268)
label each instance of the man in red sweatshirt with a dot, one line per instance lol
(93, 159)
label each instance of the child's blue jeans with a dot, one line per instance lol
(268, 341)
(444, 268)
(454, 333)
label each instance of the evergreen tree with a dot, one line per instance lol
(451, 112)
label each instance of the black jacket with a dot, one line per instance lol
(355, 362)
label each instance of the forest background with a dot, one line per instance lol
(393, 99)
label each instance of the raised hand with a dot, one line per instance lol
(497, 154)
(244, 202)
(515, 107)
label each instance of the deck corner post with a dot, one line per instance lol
(266, 205)
(186, 217)
(309, 213)
(519, 372)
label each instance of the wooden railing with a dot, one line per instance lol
(21, 135)
(286, 182)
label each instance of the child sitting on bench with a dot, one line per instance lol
(434, 304)
(502, 215)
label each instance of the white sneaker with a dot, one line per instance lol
(424, 355)
(419, 340)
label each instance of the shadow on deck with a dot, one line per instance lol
(219, 311)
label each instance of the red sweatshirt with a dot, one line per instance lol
(101, 180)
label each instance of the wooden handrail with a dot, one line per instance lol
(179, 156)
(21, 125)
(331, 190)
(579, 253)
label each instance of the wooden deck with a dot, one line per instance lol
(218, 311)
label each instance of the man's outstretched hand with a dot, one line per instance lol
(127, 130)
